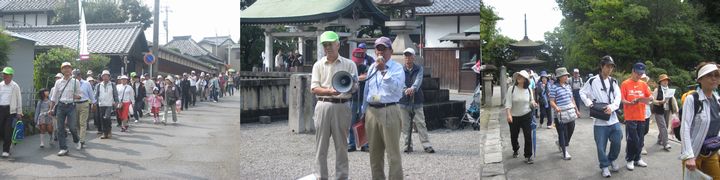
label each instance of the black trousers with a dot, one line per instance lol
(186, 100)
(545, 113)
(103, 115)
(139, 105)
(6, 127)
(193, 93)
(521, 123)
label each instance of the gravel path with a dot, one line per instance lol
(271, 151)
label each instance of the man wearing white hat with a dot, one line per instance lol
(412, 102)
(62, 105)
(577, 83)
(107, 99)
(193, 87)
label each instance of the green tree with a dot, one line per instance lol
(5, 48)
(47, 64)
(104, 12)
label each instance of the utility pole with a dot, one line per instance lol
(156, 39)
(167, 11)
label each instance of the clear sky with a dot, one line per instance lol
(542, 16)
(203, 18)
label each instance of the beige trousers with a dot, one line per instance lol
(332, 119)
(82, 110)
(382, 126)
(419, 120)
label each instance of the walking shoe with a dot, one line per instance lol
(515, 154)
(62, 152)
(606, 172)
(644, 152)
(408, 150)
(364, 149)
(352, 149)
(567, 155)
(529, 161)
(429, 150)
(79, 146)
(5, 154)
(42, 145)
(630, 165)
(667, 147)
(641, 163)
(614, 167)
(549, 127)
(103, 137)
(136, 121)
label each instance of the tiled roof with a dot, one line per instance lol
(29, 5)
(188, 46)
(107, 38)
(450, 7)
(217, 40)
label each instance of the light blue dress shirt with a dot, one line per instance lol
(87, 92)
(386, 88)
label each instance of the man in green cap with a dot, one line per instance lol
(10, 108)
(332, 111)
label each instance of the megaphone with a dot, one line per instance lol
(342, 81)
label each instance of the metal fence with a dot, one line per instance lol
(28, 99)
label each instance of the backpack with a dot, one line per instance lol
(697, 106)
(19, 132)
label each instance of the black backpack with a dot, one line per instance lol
(697, 106)
(619, 111)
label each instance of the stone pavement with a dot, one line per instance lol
(200, 146)
(584, 163)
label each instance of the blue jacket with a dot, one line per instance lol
(413, 79)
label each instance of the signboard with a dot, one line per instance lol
(149, 59)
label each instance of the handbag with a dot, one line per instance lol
(597, 111)
(567, 115)
(675, 121)
(710, 144)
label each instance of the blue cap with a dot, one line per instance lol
(543, 74)
(362, 45)
(639, 68)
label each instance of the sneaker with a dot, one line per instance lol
(352, 149)
(42, 145)
(667, 147)
(408, 150)
(5, 154)
(79, 146)
(515, 154)
(429, 150)
(136, 121)
(567, 155)
(631, 165)
(62, 152)
(606, 172)
(644, 152)
(641, 163)
(614, 167)
(365, 149)
(529, 161)
(549, 127)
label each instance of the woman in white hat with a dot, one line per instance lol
(126, 94)
(518, 106)
(702, 123)
(562, 101)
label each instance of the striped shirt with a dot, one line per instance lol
(562, 94)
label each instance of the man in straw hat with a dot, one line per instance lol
(10, 108)
(62, 105)
(106, 95)
(332, 112)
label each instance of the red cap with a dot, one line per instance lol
(361, 53)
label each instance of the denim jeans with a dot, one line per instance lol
(635, 139)
(602, 135)
(66, 112)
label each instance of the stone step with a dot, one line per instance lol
(436, 112)
(430, 84)
(433, 96)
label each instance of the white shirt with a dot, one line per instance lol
(594, 91)
(5, 92)
(105, 99)
(193, 80)
(125, 93)
(66, 96)
(149, 86)
(519, 101)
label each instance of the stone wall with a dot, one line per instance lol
(263, 97)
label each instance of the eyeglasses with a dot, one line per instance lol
(380, 48)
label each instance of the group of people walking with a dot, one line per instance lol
(76, 99)
(387, 100)
(558, 98)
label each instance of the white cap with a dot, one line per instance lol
(123, 77)
(58, 75)
(705, 70)
(105, 72)
(159, 77)
(576, 70)
(90, 79)
(193, 72)
(65, 64)
(409, 50)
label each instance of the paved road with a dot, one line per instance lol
(200, 146)
(584, 163)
